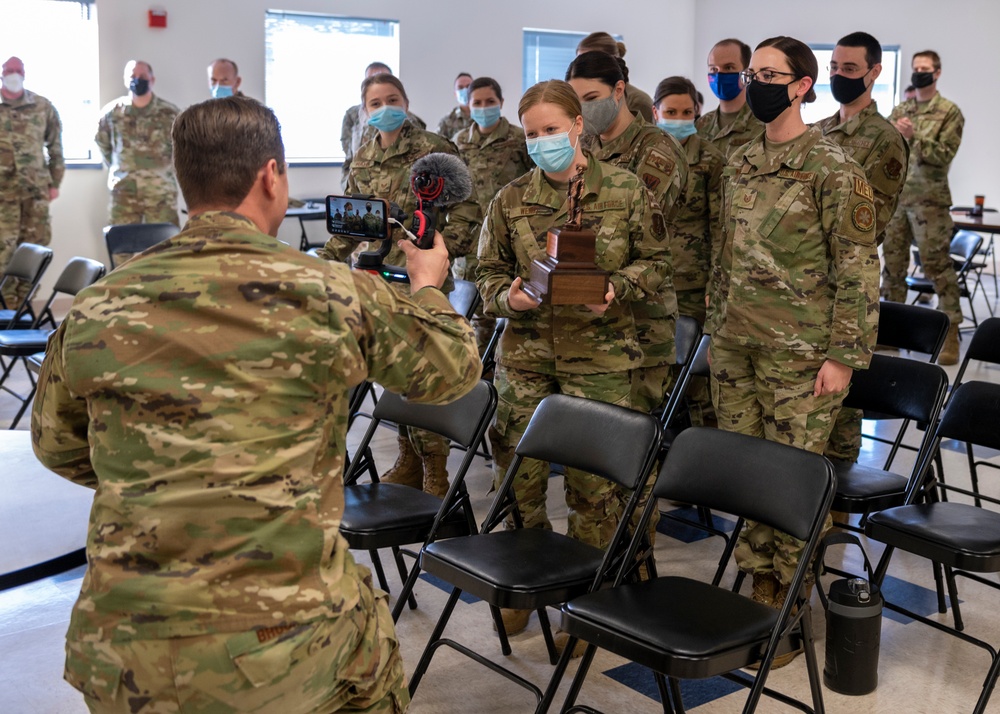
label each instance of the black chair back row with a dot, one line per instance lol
(28, 264)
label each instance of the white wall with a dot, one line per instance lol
(438, 38)
(962, 32)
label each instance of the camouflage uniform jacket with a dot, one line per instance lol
(27, 124)
(135, 142)
(696, 225)
(875, 144)
(385, 173)
(744, 127)
(798, 268)
(638, 102)
(454, 122)
(660, 162)
(494, 159)
(937, 132)
(202, 390)
(631, 244)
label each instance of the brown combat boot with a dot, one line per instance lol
(514, 621)
(407, 470)
(436, 475)
(560, 639)
(768, 591)
(949, 353)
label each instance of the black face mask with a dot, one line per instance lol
(922, 79)
(138, 86)
(845, 90)
(767, 101)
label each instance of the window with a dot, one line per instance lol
(547, 54)
(886, 91)
(314, 66)
(30, 30)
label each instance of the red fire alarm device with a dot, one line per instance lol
(157, 18)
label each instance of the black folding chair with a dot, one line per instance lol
(964, 247)
(912, 328)
(16, 345)
(532, 568)
(682, 628)
(390, 515)
(464, 298)
(27, 265)
(963, 538)
(129, 239)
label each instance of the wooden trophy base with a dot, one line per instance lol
(568, 275)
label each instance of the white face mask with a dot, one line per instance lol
(13, 83)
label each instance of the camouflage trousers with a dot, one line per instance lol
(769, 394)
(427, 443)
(845, 439)
(699, 398)
(931, 228)
(22, 220)
(465, 269)
(350, 663)
(133, 201)
(594, 504)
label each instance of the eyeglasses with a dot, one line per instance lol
(847, 70)
(765, 76)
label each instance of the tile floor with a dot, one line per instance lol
(921, 670)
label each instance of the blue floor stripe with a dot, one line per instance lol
(447, 587)
(695, 692)
(916, 598)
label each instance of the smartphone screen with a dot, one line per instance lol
(363, 218)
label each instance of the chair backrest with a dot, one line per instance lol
(458, 421)
(78, 274)
(464, 298)
(985, 343)
(965, 244)
(132, 238)
(28, 262)
(602, 439)
(687, 334)
(911, 327)
(489, 354)
(779, 485)
(898, 388)
(973, 415)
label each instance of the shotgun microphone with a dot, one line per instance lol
(437, 180)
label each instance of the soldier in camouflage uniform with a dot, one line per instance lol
(134, 138)
(880, 150)
(496, 154)
(458, 118)
(637, 101)
(382, 168)
(932, 126)
(617, 136)
(731, 124)
(794, 297)
(31, 169)
(695, 228)
(202, 390)
(572, 349)
(354, 129)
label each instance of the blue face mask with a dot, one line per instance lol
(220, 91)
(387, 118)
(553, 153)
(485, 117)
(725, 85)
(463, 96)
(680, 129)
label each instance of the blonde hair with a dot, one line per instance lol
(553, 91)
(601, 42)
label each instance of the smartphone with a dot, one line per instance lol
(360, 218)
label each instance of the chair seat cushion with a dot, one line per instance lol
(35, 362)
(21, 343)
(921, 285)
(23, 322)
(380, 515)
(685, 627)
(957, 534)
(862, 489)
(523, 568)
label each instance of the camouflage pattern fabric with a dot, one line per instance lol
(350, 663)
(202, 390)
(769, 394)
(729, 133)
(696, 225)
(798, 264)
(638, 102)
(31, 162)
(632, 244)
(883, 155)
(354, 132)
(923, 206)
(494, 160)
(594, 504)
(135, 142)
(660, 162)
(453, 122)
